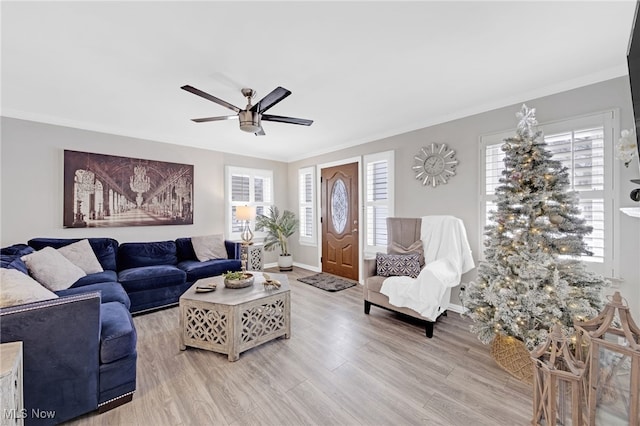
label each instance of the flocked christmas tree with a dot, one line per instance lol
(532, 277)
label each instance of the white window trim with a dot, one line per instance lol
(233, 170)
(312, 240)
(389, 157)
(611, 120)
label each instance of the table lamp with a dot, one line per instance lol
(246, 214)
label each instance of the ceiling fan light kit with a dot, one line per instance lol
(249, 121)
(252, 116)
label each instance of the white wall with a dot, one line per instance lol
(32, 181)
(32, 162)
(460, 197)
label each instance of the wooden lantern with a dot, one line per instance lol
(558, 392)
(613, 365)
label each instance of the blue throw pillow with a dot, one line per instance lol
(10, 257)
(390, 265)
(16, 250)
(13, 262)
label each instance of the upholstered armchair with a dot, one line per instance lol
(444, 256)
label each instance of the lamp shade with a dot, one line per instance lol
(245, 212)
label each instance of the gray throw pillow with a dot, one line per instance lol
(209, 247)
(51, 269)
(17, 288)
(390, 265)
(81, 254)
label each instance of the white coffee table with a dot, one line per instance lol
(230, 321)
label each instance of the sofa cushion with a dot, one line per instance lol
(150, 277)
(209, 247)
(100, 277)
(389, 265)
(136, 255)
(81, 254)
(157, 297)
(117, 333)
(196, 269)
(17, 288)
(118, 379)
(184, 249)
(52, 269)
(109, 292)
(105, 249)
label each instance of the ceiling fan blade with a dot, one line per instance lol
(261, 132)
(224, 117)
(278, 94)
(290, 120)
(210, 97)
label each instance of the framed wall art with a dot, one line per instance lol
(108, 191)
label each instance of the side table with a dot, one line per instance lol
(11, 402)
(255, 257)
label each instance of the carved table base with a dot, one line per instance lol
(230, 321)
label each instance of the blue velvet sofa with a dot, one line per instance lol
(154, 274)
(79, 350)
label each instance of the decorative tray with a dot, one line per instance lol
(205, 288)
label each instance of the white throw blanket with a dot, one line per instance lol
(447, 256)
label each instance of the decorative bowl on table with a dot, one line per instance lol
(238, 279)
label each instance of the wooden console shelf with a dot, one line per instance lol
(11, 402)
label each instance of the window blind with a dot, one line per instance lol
(306, 192)
(494, 165)
(239, 193)
(376, 210)
(582, 152)
(239, 188)
(252, 187)
(306, 201)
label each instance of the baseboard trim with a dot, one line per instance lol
(299, 265)
(309, 267)
(456, 308)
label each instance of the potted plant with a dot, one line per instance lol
(278, 228)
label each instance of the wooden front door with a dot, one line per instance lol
(339, 216)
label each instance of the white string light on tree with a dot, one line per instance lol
(532, 276)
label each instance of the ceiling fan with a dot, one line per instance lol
(252, 116)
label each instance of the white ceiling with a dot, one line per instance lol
(361, 70)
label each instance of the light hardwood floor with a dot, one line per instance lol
(340, 367)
